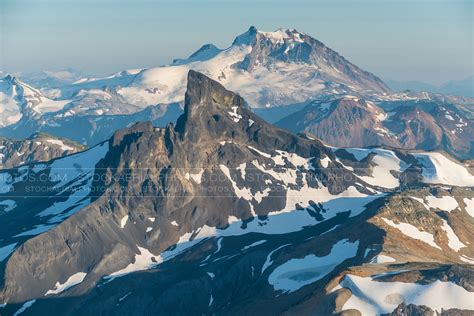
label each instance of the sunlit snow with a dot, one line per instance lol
(373, 298)
(70, 282)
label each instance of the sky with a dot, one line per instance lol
(425, 40)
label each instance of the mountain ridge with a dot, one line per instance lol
(150, 195)
(36, 148)
(416, 124)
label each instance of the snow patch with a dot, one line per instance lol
(296, 273)
(466, 259)
(24, 307)
(60, 143)
(235, 116)
(325, 162)
(373, 298)
(439, 169)
(444, 203)
(196, 177)
(123, 221)
(143, 261)
(70, 282)
(453, 240)
(469, 206)
(254, 244)
(385, 161)
(413, 232)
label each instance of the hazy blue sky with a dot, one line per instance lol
(429, 40)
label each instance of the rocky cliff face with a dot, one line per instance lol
(224, 198)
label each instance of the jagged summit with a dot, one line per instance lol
(278, 36)
(202, 89)
(208, 103)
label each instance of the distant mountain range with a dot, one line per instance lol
(281, 74)
(47, 80)
(462, 88)
(270, 69)
(89, 117)
(224, 213)
(267, 68)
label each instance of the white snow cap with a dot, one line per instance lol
(277, 37)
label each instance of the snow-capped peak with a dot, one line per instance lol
(267, 68)
(283, 35)
(279, 36)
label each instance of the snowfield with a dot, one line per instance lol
(437, 168)
(296, 273)
(413, 232)
(371, 297)
(385, 161)
(16, 96)
(469, 206)
(142, 261)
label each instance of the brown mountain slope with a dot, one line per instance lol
(354, 122)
